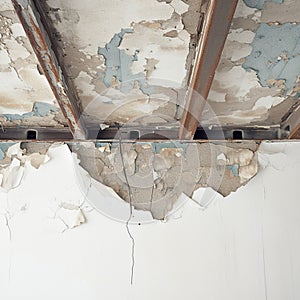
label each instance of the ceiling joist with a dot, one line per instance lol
(42, 46)
(215, 30)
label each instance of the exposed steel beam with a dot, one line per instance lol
(146, 133)
(42, 46)
(291, 121)
(295, 134)
(216, 26)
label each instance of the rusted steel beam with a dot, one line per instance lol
(41, 44)
(291, 122)
(215, 30)
(295, 134)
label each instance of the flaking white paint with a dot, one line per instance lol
(228, 81)
(121, 15)
(268, 102)
(21, 83)
(171, 53)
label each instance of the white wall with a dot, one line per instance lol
(245, 246)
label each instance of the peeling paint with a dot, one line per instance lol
(149, 49)
(276, 54)
(159, 173)
(40, 109)
(20, 77)
(70, 215)
(3, 149)
(259, 4)
(234, 169)
(259, 67)
(118, 65)
(14, 164)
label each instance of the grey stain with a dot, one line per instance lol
(259, 4)
(118, 65)
(276, 54)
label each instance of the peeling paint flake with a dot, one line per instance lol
(268, 102)
(13, 163)
(71, 215)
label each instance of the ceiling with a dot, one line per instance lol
(131, 63)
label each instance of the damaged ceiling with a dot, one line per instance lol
(257, 80)
(26, 97)
(144, 111)
(97, 74)
(131, 63)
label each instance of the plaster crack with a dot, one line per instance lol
(131, 209)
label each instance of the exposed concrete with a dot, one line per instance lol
(286, 12)
(159, 173)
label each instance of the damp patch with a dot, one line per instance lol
(276, 54)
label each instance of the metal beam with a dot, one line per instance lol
(215, 30)
(148, 134)
(42, 46)
(291, 121)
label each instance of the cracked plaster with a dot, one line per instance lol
(98, 254)
(159, 174)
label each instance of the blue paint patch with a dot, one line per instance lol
(40, 109)
(276, 54)
(157, 147)
(3, 148)
(99, 144)
(259, 4)
(118, 65)
(234, 169)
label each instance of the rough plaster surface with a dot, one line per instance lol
(154, 176)
(21, 81)
(143, 45)
(286, 12)
(256, 80)
(244, 246)
(159, 173)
